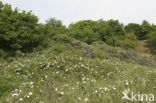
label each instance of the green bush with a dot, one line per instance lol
(100, 54)
(151, 43)
(84, 31)
(6, 86)
(55, 27)
(113, 40)
(19, 30)
(141, 31)
(89, 31)
(59, 48)
(3, 53)
(130, 41)
(62, 38)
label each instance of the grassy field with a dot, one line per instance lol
(76, 73)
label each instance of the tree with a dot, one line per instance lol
(153, 27)
(135, 28)
(54, 22)
(19, 30)
(85, 31)
(129, 41)
(151, 43)
(117, 27)
(110, 31)
(104, 30)
(145, 30)
(55, 27)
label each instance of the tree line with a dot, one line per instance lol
(20, 30)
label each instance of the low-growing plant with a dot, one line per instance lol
(59, 48)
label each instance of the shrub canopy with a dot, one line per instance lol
(151, 43)
(19, 30)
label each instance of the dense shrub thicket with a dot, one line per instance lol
(112, 32)
(54, 27)
(151, 43)
(141, 31)
(20, 31)
(86, 31)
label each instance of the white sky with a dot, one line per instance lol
(74, 10)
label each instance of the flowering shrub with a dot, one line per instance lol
(71, 78)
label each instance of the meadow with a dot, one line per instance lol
(58, 76)
(89, 61)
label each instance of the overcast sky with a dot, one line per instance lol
(74, 10)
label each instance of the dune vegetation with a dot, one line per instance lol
(87, 62)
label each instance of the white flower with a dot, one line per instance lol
(16, 90)
(83, 78)
(30, 93)
(66, 70)
(82, 65)
(31, 83)
(62, 93)
(66, 85)
(56, 89)
(15, 94)
(46, 76)
(20, 91)
(114, 88)
(126, 82)
(106, 89)
(32, 86)
(96, 91)
(86, 99)
(80, 58)
(20, 99)
(28, 96)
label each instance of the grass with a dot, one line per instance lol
(72, 79)
(74, 72)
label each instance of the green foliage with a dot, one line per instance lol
(59, 48)
(113, 40)
(85, 31)
(153, 27)
(110, 31)
(135, 28)
(3, 53)
(130, 41)
(55, 27)
(89, 31)
(141, 31)
(72, 79)
(151, 43)
(100, 54)
(104, 30)
(71, 71)
(145, 30)
(62, 38)
(6, 86)
(19, 30)
(117, 28)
